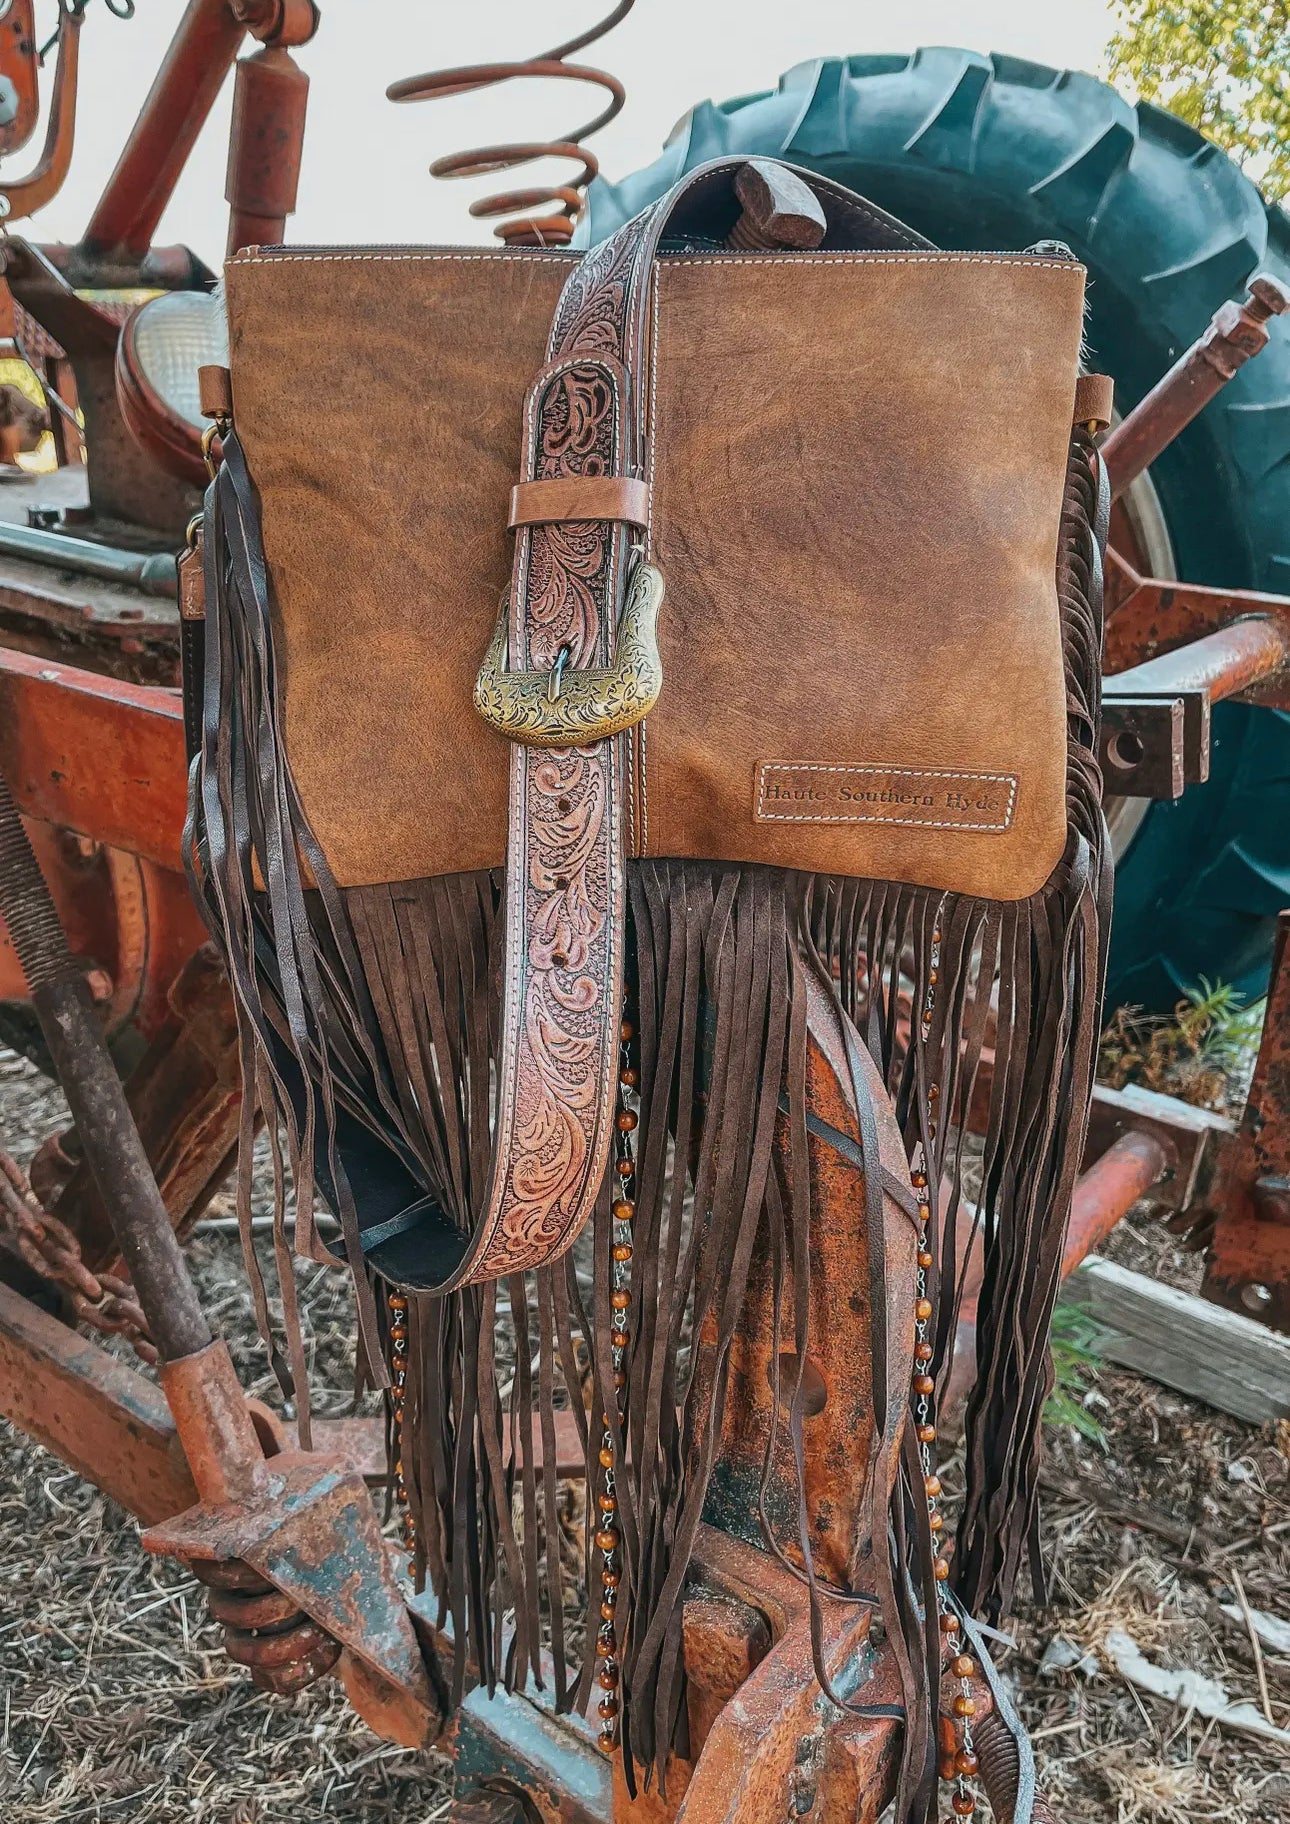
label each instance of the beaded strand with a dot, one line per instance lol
(960, 1766)
(398, 1384)
(620, 1299)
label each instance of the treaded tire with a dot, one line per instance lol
(995, 152)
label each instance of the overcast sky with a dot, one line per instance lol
(365, 172)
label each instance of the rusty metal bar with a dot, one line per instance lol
(1236, 332)
(1222, 664)
(1110, 1188)
(201, 55)
(265, 144)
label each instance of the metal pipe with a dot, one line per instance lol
(1109, 1189)
(153, 572)
(201, 55)
(1221, 664)
(96, 1097)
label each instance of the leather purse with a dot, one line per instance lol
(776, 657)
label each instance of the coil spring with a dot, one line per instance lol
(26, 905)
(555, 228)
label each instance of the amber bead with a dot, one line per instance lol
(605, 1646)
(628, 1077)
(607, 1678)
(923, 1310)
(933, 976)
(605, 1741)
(608, 1706)
(932, 1484)
(607, 1538)
(942, 1569)
(626, 1120)
(949, 1624)
(610, 1579)
(606, 1611)
(964, 1666)
(623, 1251)
(923, 1383)
(923, 1352)
(966, 1763)
(625, 1031)
(606, 1458)
(926, 1259)
(918, 1180)
(398, 1332)
(946, 1767)
(620, 1301)
(619, 1338)
(398, 1302)
(927, 1434)
(964, 1706)
(625, 1168)
(624, 1209)
(608, 1504)
(936, 1521)
(963, 1805)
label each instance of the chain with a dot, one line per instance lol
(50, 1249)
(620, 1299)
(398, 1389)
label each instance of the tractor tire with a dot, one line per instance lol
(994, 152)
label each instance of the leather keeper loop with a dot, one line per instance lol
(215, 392)
(580, 497)
(1094, 395)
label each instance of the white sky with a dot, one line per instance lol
(365, 171)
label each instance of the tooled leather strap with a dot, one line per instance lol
(585, 421)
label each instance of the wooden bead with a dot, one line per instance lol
(608, 1504)
(624, 1209)
(923, 1310)
(606, 1458)
(626, 1120)
(628, 1077)
(620, 1301)
(963, 1805)
(923, 1352)
(605, 1741)
(942, 1570)
(964, 1706)
(932, 1485)
(626, 1031)
(605, 1646)
(610, 1579)
(926, 1259)
(607, 1678)
(625, 1168)
(966, 1763)
(619, 1338)
(620, 1379)
(936, 1521)
(927, 1434)
(623, 1251)
(933, 976)
(963, 1666)
(607, 1539)
(933, 1092)
(606, 1611)
(923, 1383)
(949, 1623)
(608, 1706)
(919, 1180)
(398, 1302)
(398, 1332)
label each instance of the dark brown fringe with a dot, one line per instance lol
(380, 1002)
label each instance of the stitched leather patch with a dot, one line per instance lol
(814, 792)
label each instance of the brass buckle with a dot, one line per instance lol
(562, 708)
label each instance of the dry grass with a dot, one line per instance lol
(116, 1702)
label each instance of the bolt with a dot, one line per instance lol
(100, 984)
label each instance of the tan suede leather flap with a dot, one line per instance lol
(858, 467)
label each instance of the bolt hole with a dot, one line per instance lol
(1256, 1297)
(563, 806)
(1125, 750)
(815, 1390)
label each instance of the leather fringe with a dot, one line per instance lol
(374, 1011)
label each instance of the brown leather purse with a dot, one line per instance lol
(771, 678)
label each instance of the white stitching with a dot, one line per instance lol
(868, 259)
(884, 772)
(348, 256)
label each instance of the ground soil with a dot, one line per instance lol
(116, 1701)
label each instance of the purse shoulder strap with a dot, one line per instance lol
(580, 515)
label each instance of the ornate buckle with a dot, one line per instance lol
(562, 708)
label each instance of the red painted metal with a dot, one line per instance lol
(269, 104)
(1109, 1188)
